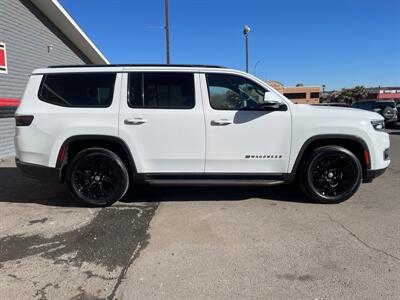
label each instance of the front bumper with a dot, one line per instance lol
(39, 172)
(371, 174)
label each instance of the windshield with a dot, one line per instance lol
(385, 104)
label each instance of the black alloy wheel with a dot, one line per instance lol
(97, 177)
(332, 174)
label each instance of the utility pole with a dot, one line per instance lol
(167, 29)
(246, 31)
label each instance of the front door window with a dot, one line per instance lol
(231, 92)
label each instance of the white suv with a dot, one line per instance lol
(105, 128)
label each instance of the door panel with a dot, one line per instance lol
(163, 139)
(240, 138)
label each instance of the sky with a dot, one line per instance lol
(339, 43)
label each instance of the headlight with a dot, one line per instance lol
(378, 125)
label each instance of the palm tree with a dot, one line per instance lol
(346, 96)
(359, 92)
(350, 95)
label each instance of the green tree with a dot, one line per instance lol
(350, 95)
(345, 95)
(359, 92)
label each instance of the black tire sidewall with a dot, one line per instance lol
(389, 110)
(122, 182)
(306, 178)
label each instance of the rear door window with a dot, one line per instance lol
(161, 90)
(78, 89)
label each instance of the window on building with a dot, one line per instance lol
(161, 90)
(295, 95)
(314, 95)
(78, 89)
(231, 92)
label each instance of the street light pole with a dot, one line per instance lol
(167, 29)
(246, 31)
(247, 53)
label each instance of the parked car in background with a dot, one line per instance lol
(387, 109)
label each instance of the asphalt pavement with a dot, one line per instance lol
(200, 243)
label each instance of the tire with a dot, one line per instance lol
(388, 113)
(331, 174)
(97, 177)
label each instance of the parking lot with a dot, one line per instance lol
(202, 243)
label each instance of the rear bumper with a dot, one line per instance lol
(391, 120)
(39, 172)
(371, 174)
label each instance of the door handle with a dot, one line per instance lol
(134, 121)
(221, 122)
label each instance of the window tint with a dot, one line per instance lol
(314, 95)
(231, 92)
(364, 105)
(78, 89)
(161, 90)
(385, 104)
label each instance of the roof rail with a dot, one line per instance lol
(137, 65)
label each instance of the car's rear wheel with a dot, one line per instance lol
(331, 174)
(97, 177)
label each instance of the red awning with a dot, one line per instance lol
(9, 102)
(389, 96)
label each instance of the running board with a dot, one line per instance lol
(214, 182)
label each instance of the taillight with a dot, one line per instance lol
(23, 120)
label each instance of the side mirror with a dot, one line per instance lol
(272, 99)
(272, 102)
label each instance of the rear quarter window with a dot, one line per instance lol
(78, 89)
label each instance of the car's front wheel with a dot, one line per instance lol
(331, 174)
(97, 177)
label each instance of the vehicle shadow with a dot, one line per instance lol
(16, 188)
(286, 193)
